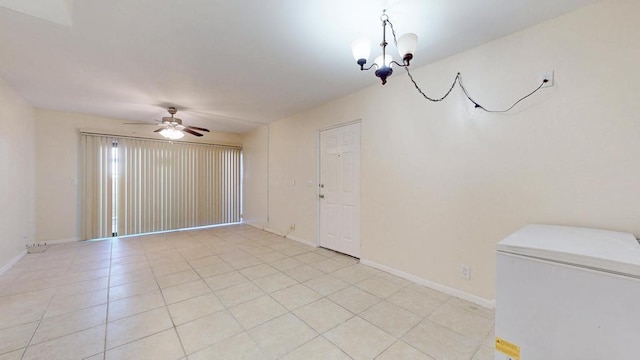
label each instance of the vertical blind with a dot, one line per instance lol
(96, 180)
(133, 186)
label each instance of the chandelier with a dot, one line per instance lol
(406, 45)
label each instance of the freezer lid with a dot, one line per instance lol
(609, 251)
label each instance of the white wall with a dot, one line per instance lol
(443, 182)
(58, 139)
(17, 168)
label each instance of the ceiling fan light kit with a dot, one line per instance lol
(172, 134)
(172, 128)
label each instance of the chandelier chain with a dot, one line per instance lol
(395, 41)
(458, 80)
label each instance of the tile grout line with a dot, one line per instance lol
(165, 306)
(106, 318)
(235, 243)
(291, 311)
(175, 327)
(354, 285)
(41, 317)
(228, 311)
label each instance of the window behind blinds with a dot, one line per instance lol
(149, 185)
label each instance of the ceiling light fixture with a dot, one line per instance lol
(172, 126)
(171, 133)
(406, 45)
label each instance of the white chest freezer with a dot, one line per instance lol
(566, 293)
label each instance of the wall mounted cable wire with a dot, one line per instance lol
(458, 80)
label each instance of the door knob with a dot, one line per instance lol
(321, 196)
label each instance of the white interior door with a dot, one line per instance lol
(340, 189)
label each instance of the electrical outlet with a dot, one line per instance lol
(465, 271)
(547, 75)
(292, 227)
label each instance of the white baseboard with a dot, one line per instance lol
(301, 240)
(288, 236)
(254, 224)
(13, 261)
(262, 227)
(257, 226)
(273, 231)
(58, 241)
(490, 304)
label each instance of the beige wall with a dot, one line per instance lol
(57, 168)
(443, 182)
(17, 167)
(255, 165)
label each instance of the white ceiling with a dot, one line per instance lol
(229, 65)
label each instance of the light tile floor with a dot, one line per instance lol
(230, 292)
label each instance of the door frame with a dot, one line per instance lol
(319, 174)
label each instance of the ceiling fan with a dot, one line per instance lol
(172, 128)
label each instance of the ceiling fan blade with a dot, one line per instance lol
(198, 128)
(158, 130)
(192, 132)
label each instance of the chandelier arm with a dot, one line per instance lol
(369, 68)
(397, 63)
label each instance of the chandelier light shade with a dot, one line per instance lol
(387, 61)
(406, 45)
(361, 50)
